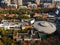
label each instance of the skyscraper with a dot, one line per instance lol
(56, 0)
(37, 2)
(19, 2)
(12, 1)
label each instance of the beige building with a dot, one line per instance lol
(19, 2)
(37, 2)
(13, 1)
(29, 3)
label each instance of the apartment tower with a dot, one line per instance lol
(19, 2)
(37, 2)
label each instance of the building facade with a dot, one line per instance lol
(46, 1)
(37, 2)
(19, 2)
(6, 2)
(13, 1)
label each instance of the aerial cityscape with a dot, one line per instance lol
(29, 22)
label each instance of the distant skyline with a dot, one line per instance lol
(56, 0)
(34, 0)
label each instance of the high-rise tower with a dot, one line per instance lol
(37, 2)
(19, 2)
(13, 1)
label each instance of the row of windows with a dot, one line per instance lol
(46, 1)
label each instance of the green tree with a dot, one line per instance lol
(7, 41)
(2, 32)
(23, 17)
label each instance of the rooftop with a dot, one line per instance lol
(44, 26)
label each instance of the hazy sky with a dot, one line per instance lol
(56, 0)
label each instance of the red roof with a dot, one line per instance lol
(36, 15)
(11, 15)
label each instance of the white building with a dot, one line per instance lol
(32, 21)
(6, 25)
(13, 5)
(6, 1)
(32, 6)
(46, 27)
(22, 7)
(11, 2)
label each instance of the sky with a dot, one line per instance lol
(56, 0)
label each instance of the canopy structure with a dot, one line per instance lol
(44, 26)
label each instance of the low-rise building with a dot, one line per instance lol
(11, 15)
(13, 5)
(29, 3)
(49, 5)
(26, 27)
(46, 5)
(32, 21)
(23, 7)
(32, 6)
(51, 18)
(53, 5)
(10, 25)
(37, 15)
